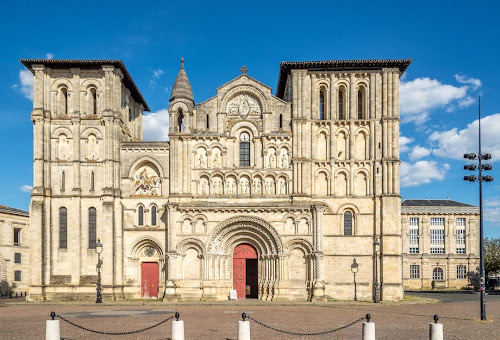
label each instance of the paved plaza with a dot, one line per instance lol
(459, 314)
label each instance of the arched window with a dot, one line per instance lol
(281, 121)
(361, 103)
(63, 228)
(63, 180)
(153, 215)
(140, 217)
(63, 101)
(93, 101)
(348, 223)
(341, 103)
(92, 181)
(244, 149)
(437, 274)
(92, 228)
(322, 104)
(180, 122)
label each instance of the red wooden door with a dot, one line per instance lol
(241, 253)
(149, 280)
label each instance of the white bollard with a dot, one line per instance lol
(177, 328)
(52, 328)
(368, 330)
(243, 328)
(436, 330)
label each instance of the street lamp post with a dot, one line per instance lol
(98, 250)
(376, 298)
(480, 178)
(354, 270)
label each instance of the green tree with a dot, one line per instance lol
(491, 256)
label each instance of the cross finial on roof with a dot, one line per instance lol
(243, 70)
(182, 62)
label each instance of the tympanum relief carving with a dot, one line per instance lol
(243, 105)
(147, 182)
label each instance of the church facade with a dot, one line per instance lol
(279, 196)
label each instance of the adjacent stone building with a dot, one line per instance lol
(14, 250)
(440, 243)
(273, 195)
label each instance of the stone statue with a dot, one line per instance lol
(216, 160)
(256, 186)
(244, 186)
(284, 160)
(272, 161)
(231, 187)
(217, 186)
(203, 187)
(282, 187)
(202, 161)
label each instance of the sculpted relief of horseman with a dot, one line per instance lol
(147, 182)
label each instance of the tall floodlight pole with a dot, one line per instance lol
(480, 178)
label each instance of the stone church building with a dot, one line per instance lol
(277, 196)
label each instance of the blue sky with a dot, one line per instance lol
(454, 46)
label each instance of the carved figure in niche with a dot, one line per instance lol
(244, 186)
(231, 186)
(272, 160)
(146, 182)
(284, 158)
(203, 187)
(244, 105)
(216, 158)
(62, 147)
(270, 187)
(202, 158)
(92, 147)
(282, 186)
(217, 186)
(256, 186)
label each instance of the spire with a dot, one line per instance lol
(182, 87)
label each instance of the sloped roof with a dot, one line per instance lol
(12, 211)
(182, 87)
(337, 65)
(434, 203)
(88, 64)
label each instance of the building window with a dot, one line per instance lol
(281, 121)
(322, 102)
(92, 228)
(460, 241)
(347, 223)
(361, 103)
(461, 222)
(413, 236)
(93, 101)
(63, 228)
(437, 221)
(153, 215)
(17, 257)
(63, 180)
(141, 216)
(244, 149)
(437, 241)
(17, 275)
(92, 181)
(413, 250)
(461, 271)
(17, 237)
(414, 222)
(437, 274)
(414, 271)
(208, 121)
(180, 121)
(63, 101)
(341, 103)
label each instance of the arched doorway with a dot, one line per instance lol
(245, 271)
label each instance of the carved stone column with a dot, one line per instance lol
(319, 278)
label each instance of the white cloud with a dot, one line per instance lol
(420, 96)
(422, 172)
(419, 152)
(49, 56)
(155, 126)
(26, 188)
(454, 143)
(492, 210)
(403, 144)
(25, 85)
(156, 75)
(462, 78)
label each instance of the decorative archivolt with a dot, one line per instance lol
(62, 82)
(62, 130)
(88, 83)
(145, 241)
(252, 229)
(239, 92)
(91, 130)
(347, 207)
(189, 243)
(299, 243)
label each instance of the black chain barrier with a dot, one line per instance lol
(114, 333)
(307, 334)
